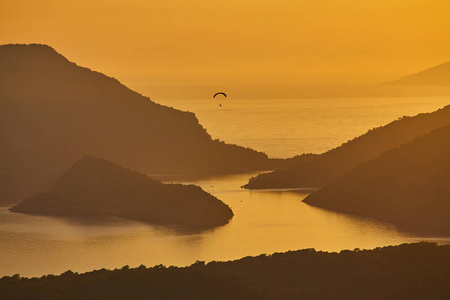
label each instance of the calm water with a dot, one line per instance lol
(286, 127)
(264, 221)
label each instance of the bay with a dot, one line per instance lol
(265, 221)
(284, 128)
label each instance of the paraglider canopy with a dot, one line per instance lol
(219, 93)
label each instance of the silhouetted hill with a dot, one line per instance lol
(435, 76)
(53, 112)
(407, 184)
(320, 170)
(96, 187)
(408, 271)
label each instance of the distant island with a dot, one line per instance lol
(435, 76)
(53, 112)
(95, 187)
(408, 185)
(315, 171)
(408, 271)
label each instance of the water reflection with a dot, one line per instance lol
(85, 225)
(264, 222)
(288, 127)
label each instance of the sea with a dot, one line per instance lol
(265, 221)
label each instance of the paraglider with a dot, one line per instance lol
(220, 93)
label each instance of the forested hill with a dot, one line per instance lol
(53, 113)
(408, 184)
(94, 187)
(408, 271)
(324, 168)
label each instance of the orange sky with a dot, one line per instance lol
(156, 44)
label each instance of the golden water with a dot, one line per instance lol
(264, 221)
(287, 127)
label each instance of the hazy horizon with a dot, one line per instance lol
(330, 132)
(188, 49)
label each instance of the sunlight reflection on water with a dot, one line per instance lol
(264, 221)
(287, 127)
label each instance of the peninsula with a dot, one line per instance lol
(95, 187)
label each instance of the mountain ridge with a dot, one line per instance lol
(407, 184)
(53, 112)
(435, 76)
(96, 187)
(328, 166)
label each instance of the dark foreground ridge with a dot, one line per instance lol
(408, 271)
(95, 187)
(409, 184)
(317, 171)
(53, 112)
